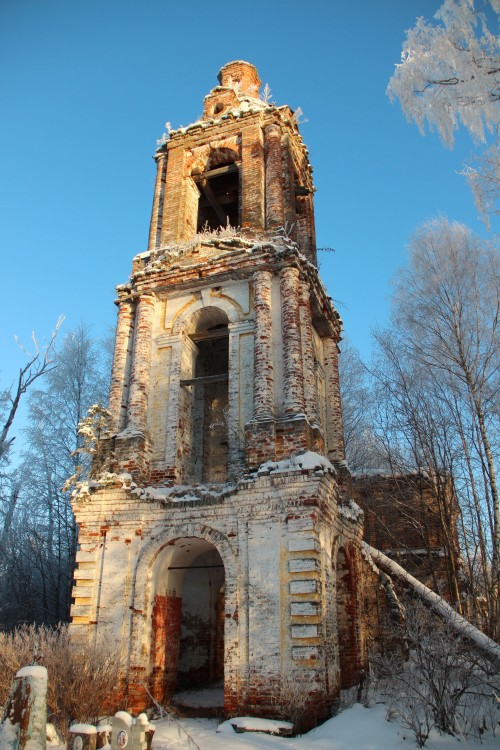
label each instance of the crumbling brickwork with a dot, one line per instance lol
(412, 518)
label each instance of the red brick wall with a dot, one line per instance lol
(166, 627)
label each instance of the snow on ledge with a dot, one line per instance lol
(253, 724)
(351, 510)
(308, 461)
(179, 493)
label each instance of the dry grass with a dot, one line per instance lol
(81, 681)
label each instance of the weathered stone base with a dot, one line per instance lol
(285, 558)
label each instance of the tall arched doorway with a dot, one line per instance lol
(187, 643)
(347, 618)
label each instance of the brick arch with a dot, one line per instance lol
(212, 155)
(228, 306)
(142, 594)
(151, 551)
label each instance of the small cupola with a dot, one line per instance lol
(242, 74)
(238, 81)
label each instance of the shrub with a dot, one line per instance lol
(438, 680)
(294, 699)
(81, 680)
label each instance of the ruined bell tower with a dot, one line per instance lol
(215, 549)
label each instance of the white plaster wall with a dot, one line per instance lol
(264, 593)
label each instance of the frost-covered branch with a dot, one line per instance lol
(40, 362)
(448, 78)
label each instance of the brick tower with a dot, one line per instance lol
(216, 547)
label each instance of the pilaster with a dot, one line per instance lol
(158, 200)
(293, 385)
(118, 393)
(252, 177)
(141, 365)
(335, 434)
(274, 177)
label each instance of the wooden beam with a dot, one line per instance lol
(215, 172)
(217, 333)
(205, 379)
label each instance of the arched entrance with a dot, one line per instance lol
(187, 644)
(347, 618)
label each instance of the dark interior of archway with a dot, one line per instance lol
(218, 203)
(211, 401)
(201, 644)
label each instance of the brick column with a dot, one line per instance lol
(334, 428)
(293, 385)
(172, 215)
(274, 177)
(141, 365)
(120, 375)
(263, 391)
(156, 213)
(252, 178)
(290, 216)
(310, 385)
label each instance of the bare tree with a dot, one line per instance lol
(37, 578)
(362, 445)
(439, 385)
(438, 679)
(82, 680)
(40, 361)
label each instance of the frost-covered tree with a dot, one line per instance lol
(42, 539)
(39, 363)
(439, 386)
(449, 77)
(362, 446)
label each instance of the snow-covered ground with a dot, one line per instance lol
(356, 728)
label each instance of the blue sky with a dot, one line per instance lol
(86, 88)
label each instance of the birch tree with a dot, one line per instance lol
(439, 368)
(40, 361)
(362, 446)
(448, 78)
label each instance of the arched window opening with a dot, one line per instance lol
(208, 389)
(219, 189)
